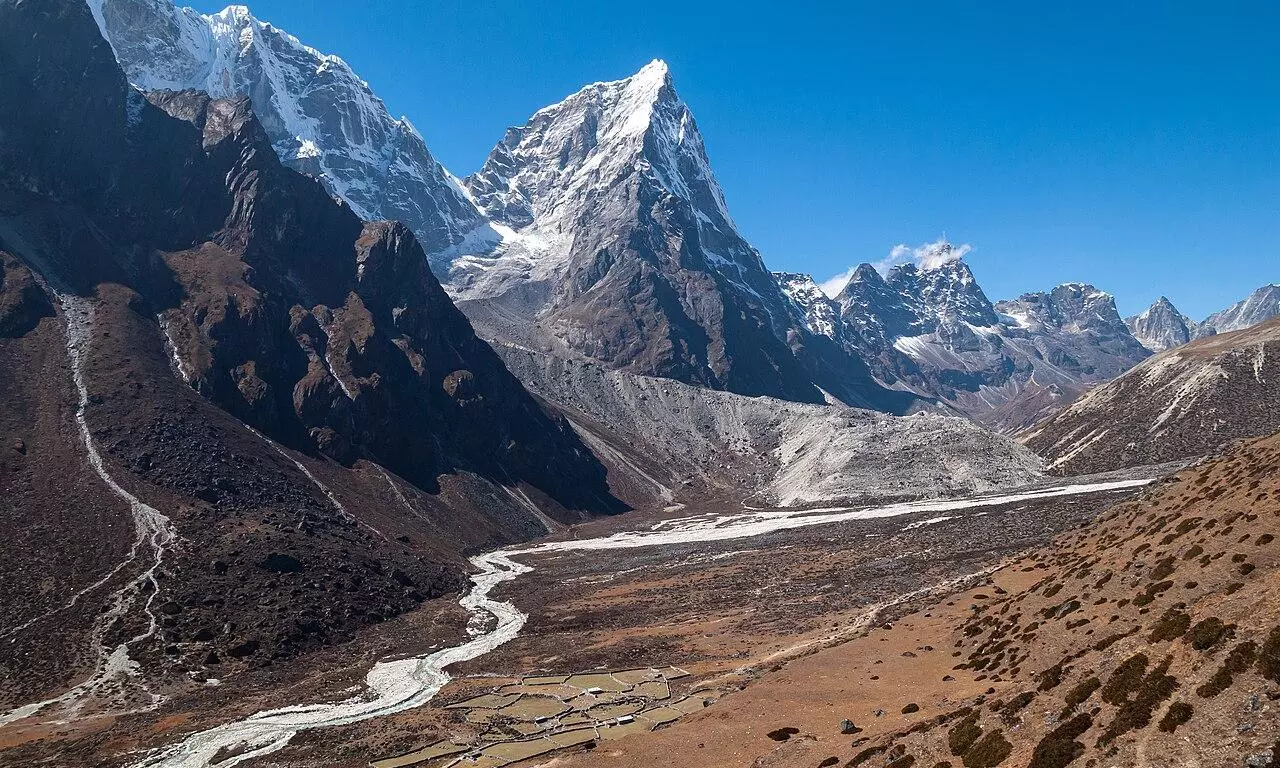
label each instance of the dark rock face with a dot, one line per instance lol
(229, 292)
(22, 302)
(1184, 402)
(932, 329)
(282, 305)
(622, 251)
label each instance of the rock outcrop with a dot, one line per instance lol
(256, 376)
(930, 329)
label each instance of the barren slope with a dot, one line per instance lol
(1181, 403)
(1149, 638)
(240, 423)
(778, 452)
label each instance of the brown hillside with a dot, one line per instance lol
(1150, 638)
(1182, 403)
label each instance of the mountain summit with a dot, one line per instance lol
(618, 247)
(571, 168)
(594, 138)
(928, 326)
(1161, 326)
(321, 118)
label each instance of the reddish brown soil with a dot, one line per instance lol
(1024, 650)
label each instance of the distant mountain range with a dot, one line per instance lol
(597, 231)
(1161, 326)
(1182, 403)
(931, 329)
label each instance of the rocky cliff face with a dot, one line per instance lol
(1259, 306)
(319, 116)
(618, 247)
(1182, 403)
(304, 430)
(929, 327)
(1161, 326)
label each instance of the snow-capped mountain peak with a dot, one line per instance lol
(1259, 306)
(321, 117)
(942, 289)
(821, 314)
(618, 246)
(927, 324)
(608, 152)
(593, 139)
(1160, 326)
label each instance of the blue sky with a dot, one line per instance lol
(1132, 145)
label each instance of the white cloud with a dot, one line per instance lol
(928, 256)
(898, 254)
(836, 283)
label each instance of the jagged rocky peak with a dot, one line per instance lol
(821, 314)
(1259, 306)
(539, 172)
(865, 279)
(869, 306)
(1075, 307)
(322, 119)
(618, 247)
(926, 324)
(935, 289)
(1160, 326)
(944, 287)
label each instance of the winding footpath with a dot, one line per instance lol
(395, 686)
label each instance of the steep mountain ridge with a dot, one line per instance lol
(275, 429)
(930, 328)
(618, 247)
(1184, 402)
(548, 178)
(1161, 326)
(1259, 306)
(321, 118)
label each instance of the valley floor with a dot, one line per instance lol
(732, 596)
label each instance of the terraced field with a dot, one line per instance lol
(537, 715)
